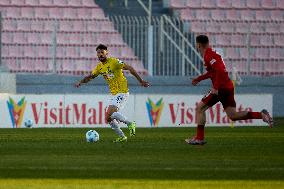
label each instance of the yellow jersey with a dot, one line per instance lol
(111, 70)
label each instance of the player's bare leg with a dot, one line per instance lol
(201, 120)
(243, 115)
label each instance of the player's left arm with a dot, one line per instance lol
(136, 75)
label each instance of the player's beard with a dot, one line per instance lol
(102, 59)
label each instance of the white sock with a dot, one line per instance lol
(114, 125)
(118, 116)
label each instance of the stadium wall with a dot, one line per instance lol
(58, 84)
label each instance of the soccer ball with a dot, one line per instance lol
(28, 123)
(92, 136)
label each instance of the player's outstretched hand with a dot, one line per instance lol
(77, 85)
(145, 83)
(194, 82)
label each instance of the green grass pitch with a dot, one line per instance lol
(240, 157)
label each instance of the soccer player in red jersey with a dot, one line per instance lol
(222, 91)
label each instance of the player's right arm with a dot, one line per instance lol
(89, 77)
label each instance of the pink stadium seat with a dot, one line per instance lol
(91, 39)
(268, 4)
(224, 4)
(255, 40)
(27, 12)
(281, 28)
(273, 28)
(41, 13)
(257, 67)
(257, 27)
(84, 13)
(279, 40)
(262, 15)
(203, 14)
(208, 3)
(65, 25)
(233, 14)
(238, 40)
(97, 13)
(107, 26)
(177, 4)
(127, 52)
(13, 12)
(44, 51)
(67, 65)
(30, 51)
(49, 25)
(79, 25)
(23, 25)
(18, 2)
(247, 15)
(60, 3)
(15, 51)
(69, 13)
(46, 2)
(266, 40)
(42, 65)
(72, 52)
(218, 14)
(197, 27)
(244, 53)
(46, 38)
(231, 53)
(26, 65)
(228, 27)
(277, 15)
(75, 38)
(7, 37)
(32, 2)
(89, 3)
(276, 53)
(116, 39)
(61, 51)
(254, 4)
(239, 4)
(5, 2)
(262, 53)
(193, 4)
(55, 12)
(8, 24)
(223, 40)
(4, 51)
(37, 26)
(74, 3)
(19, 38)
(12, 64)
(33, 38)
(87, 52)
(115, 52)
(212, 27)
(280, 4)
(62, 38)
(188, 14)
(81, 65)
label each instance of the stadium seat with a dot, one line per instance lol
(15, 51)
(262, 53)
(238, 40)
(30, 51)
(7, 37)
(208, 3)
(239, 4)
(233, 15)
(41, 13)
(228, 27)
(276, 53)
(19, 38)
(274, 28)
(65, 25)
(188, 14)
(254, 40)
(46, 2)
(55, 12)
(203, 14)
(89, 3)
(244, 53)
(212, 27)
(262, 15)
(280, 4)
(27, 12)
(279, 40)
(5, 2)
(193, 4)
(46, 38)
(224, 3)
(33, 38)
(8, 24)
(218, 15)
(17, 2)
(60, 3)
(97, 13)
(231, 53)
(257, 27)
(268, 4)
(84, 13)
(37, 26)
(197, 27)
(88, 52)
(277, 15)
(23, 25)
(247, 15)
(32, 2)
(13, 12)
(74, 3)
(266, 40)
(177, 4)
(69, 13)
(254, 4)
(72, 52)
(223, 40)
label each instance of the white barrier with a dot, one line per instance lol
(146, 110)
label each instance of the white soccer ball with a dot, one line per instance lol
(28, 123)
(92, 136)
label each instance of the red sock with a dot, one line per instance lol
(254, 115)
(200, 132)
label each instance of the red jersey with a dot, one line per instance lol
(216, 70)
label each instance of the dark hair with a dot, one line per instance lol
(102, 47)
(202, 39)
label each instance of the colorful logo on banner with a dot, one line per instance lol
(154, 111)
(16, 111)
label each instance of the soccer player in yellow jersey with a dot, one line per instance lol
(111, 70)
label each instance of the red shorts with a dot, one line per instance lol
(225, 96)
